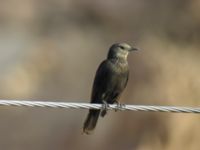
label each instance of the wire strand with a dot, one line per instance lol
(66, 105)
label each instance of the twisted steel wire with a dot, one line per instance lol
(148, 108)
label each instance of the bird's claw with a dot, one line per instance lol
(120, 106)
(104, 108)
(105, 105)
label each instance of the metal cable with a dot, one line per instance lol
(148, 108)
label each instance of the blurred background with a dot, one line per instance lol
(50, 50)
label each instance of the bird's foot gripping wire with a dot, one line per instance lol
(104, 108)
(120, 106)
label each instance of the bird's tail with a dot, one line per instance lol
(91, 121)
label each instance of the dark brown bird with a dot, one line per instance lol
(110, 80)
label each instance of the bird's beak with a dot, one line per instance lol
(134, 49)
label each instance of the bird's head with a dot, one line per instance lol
(120, 51)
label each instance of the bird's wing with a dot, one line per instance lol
(101, 81)
(109, 82)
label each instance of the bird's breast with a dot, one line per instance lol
(121, 67)
(120, 75)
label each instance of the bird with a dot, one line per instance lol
(110, 80)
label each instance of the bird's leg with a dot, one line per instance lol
(105, 105)
(104, 108)
(120, 106)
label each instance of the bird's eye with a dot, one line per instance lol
(122, 47)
